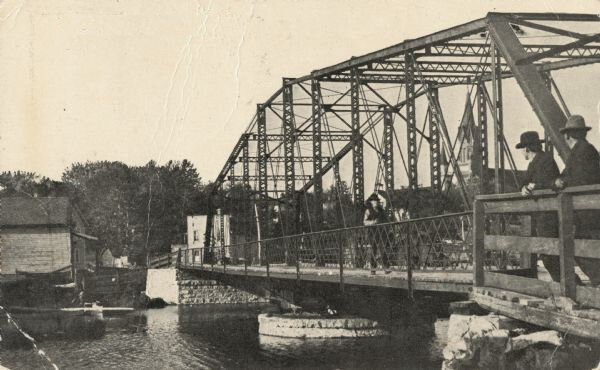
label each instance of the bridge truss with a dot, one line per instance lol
(334, 117)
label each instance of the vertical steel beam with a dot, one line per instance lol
(315, 88)
(232, 175)
(411, 121)
(298, 226)
(358, 187)
(483, 137)
(388, 149)
(245, 165)
(288, 137)
(531, 82)
(245, 186)
(221, 240)
(261, 126)
(498, 124)
(435, 159)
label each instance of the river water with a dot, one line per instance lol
(221, 337)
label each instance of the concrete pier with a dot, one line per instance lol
(308, 325)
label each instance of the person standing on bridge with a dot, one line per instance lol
(541, 172)
(375, 214)
(582, 168)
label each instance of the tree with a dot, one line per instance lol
(105, 192)
(139, 211)
(22, 183)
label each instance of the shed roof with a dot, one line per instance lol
(19, 211)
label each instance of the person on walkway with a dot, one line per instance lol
(541, 172)
(375, 214)
(582, 168)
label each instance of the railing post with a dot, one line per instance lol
(409, 260)
(567, 245)
(267, 260)
(341, 260)
(223, 257)
(246, 259)
(478, 242)
(298, 259)
(178, 262)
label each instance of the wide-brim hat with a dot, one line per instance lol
(529, 138)
(373, 197)
(575, 123)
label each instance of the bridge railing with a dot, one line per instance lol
(572, 206)
(163, 260)
(439, 243)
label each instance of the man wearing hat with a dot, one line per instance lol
(582, 168)
(541, 172)
(375, 214)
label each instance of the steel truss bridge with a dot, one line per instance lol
(329, 118)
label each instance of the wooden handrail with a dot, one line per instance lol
(540, 193)
(584, 197)
(565, 204)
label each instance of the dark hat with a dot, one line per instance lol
(373, 197)
(529, 138)
(574, 123)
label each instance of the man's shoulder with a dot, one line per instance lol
(585, 149)
(546, 157)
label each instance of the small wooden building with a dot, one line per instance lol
(43, 235)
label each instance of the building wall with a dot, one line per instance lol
(35, 249)
(196, 227)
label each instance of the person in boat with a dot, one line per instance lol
(541, 172)
(582, 168)
(375, 214)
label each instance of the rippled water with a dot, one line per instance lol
(214, 337)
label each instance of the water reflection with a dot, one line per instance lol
(216, 337)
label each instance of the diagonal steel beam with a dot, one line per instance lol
(543, 27)
(531, 82)
(559, 49)
(555, 17)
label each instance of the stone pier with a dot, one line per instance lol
(194, 290)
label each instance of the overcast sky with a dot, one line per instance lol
(135, 80)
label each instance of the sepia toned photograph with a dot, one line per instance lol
(299, 184)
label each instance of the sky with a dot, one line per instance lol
(141, 80)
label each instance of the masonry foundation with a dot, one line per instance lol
(194, 290)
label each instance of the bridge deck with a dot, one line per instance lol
(438, 281)
(581, 322)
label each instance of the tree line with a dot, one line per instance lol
(140, 211)
(133, 210)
